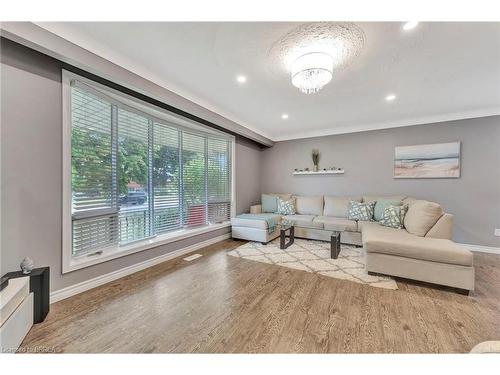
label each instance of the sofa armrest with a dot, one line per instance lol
(256, 209)
(443, 228)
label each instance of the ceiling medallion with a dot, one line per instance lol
(312, 52)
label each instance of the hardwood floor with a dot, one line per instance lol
(221, 304)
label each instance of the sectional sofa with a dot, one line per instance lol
(422, 251)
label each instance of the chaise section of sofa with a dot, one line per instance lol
(395, 252)
(427, 254)
(253, 229)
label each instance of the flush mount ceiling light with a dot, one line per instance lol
(312, 52)
(390, 97)
(241, 79)
(410, 25)
(284, 116)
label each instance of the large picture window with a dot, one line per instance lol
(136, 176)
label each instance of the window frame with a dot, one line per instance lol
(71, 263)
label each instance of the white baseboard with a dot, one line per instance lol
(69, 291)
(481, 249)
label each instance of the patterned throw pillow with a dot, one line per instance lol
(361, 211)
(286, 206)
(394, 216)
(380, 206)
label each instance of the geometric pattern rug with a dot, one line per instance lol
(314, 256)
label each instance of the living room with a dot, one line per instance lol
(268, 186)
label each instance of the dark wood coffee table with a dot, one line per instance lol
(287, 236)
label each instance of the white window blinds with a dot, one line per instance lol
(135, 176)
(219, 177)
(166, 178)
(194, 179)
(93, 165)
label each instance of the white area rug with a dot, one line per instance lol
(314, 256)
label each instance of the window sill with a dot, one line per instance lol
(117, 252)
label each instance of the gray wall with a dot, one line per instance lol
(367, 157)
(31, 155)
(247, 175)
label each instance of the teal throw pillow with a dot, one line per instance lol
(394, 216)
(269, 203)
(361, 211)
(286, 206)
(380, 206)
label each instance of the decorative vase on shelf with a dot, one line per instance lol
(27, 265)
(315, 159)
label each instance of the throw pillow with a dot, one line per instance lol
(421, 217)
(361, 211)
(393, 216)
(269, 203)
(286, 206)
(380, 206)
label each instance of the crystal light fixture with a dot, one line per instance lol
(312, 71)
(311, 52)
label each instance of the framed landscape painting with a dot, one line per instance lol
(439, 160)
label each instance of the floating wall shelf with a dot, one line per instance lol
(307, 173)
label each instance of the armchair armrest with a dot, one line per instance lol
(256, 209)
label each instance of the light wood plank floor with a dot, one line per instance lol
(221, 304)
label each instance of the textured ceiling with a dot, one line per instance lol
(439, 72)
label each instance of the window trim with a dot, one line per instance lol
(70, 263)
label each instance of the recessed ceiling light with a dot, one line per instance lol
(410, 25)
(390, 97)
(241, 79)
(284, 116)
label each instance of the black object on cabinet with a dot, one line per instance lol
(39, 285)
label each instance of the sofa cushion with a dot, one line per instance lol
(253, 223)
(374, 198)
(380, 206)
(338, 206)
(337, 223)
(363, 224)
(309, 205)
(269, 203)
(408, 200)
(305, 220)
(299, 218)
(398, 242)
(421, 217)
